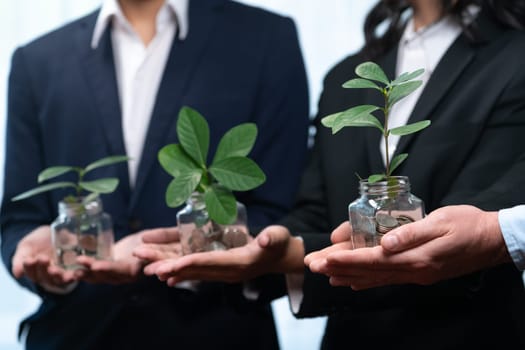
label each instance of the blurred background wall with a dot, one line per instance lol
(328, 30)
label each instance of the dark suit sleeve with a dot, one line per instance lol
(23, 161)
(494, 175)
(281, 113)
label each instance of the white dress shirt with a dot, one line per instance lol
(512, 224)
(423, 48)
(139, 68)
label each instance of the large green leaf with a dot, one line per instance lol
(220, 204)
(410, 129)
(236, 142)
(181, 188)
(175, 161)
(371, 71)
(106, 185)
(375, 178)
(358, 114)
(407, 76)
(106, 161)
(54, 171)
(399, 92)
(400, 158)
(238, 173)
(194, 134)
(43, 188)
(359, 83)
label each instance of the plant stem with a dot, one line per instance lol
(386, 111)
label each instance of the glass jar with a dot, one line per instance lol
(382, 206)
(200, 234)
(81, 229)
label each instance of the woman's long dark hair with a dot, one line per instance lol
(391, 14)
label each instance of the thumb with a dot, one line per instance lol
(273, 236)
(411, 235)
(18, 261)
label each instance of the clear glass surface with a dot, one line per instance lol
(81, 229)
(200, 234)
(381, 207)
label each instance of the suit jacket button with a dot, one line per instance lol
(135, 225)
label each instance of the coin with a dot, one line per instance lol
(404, 219)
(385, 223)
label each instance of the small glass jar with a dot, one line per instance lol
(200, 234)
(81, 229)
(382, 206)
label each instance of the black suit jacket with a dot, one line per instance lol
(237, 64)
(473, 153)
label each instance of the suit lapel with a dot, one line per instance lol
(455, 60)
(99, 70)
(181, 64)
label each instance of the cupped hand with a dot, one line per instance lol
(273, 250)
(159, 244)
(34, 258)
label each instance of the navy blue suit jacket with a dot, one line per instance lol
(238, 64)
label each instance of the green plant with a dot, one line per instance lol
(230, 170)
(86, 189)
(370, 74)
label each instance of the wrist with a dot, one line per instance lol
(293, 261)
(493, 230)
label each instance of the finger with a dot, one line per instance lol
(18, 261)
(323, 254)
(161, 235)
(273, 236)
(34, 268)
(410, 235)
(342, 233)
(151, 269)
(60, 276)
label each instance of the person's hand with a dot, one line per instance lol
(159, 245)
(34, 258)
(124, 267)
(449, 242)
(273, 250)
(341, 239)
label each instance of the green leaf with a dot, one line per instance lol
(355, 116)
(175, 161)
(106, 161)
(106, 185)
(90, 197)
(372, 71)
(181, 188)
(410, 129)
(375, 178)
(221, 205)
(400, 158)
(359, 83)
(407, 76)
(399, 92)
(194, 134)
(43, 188)
(54, 171)
(238, 173)
(236, 142)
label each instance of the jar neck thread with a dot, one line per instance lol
(394, 185)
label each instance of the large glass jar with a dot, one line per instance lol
(81, 229)
(200, 234)
(381, 207)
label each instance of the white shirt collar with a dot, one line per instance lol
(111, 9)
